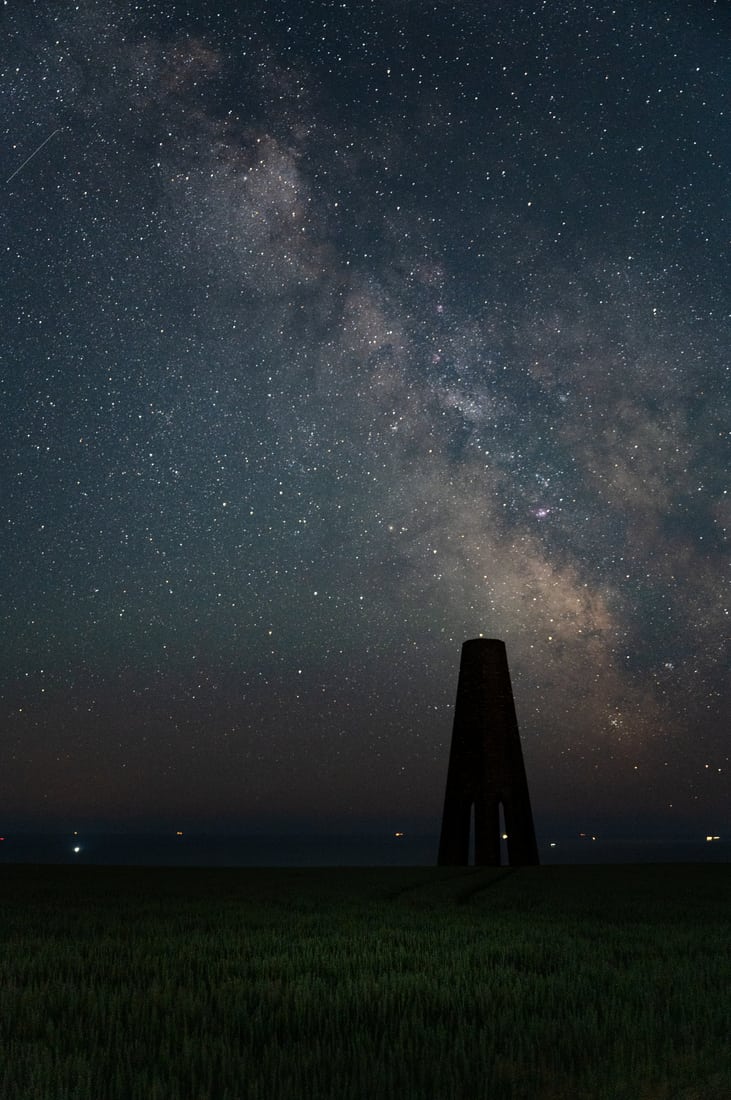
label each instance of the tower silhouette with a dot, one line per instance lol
(486, 765)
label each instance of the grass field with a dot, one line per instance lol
(554, 983)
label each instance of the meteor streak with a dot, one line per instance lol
(32, 155)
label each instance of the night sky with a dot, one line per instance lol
(336, 333)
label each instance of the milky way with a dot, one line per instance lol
(335, 334)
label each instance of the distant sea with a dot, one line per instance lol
(197, 850)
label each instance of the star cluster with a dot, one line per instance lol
(335, 334)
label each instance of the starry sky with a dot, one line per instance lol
(336, 333)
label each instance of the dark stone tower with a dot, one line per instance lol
(486, 765)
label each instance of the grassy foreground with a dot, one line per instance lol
(555, 983)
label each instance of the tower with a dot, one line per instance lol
(486, 765)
